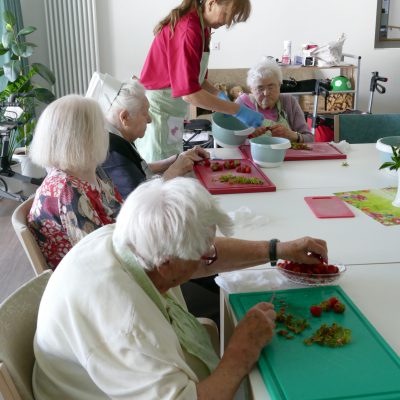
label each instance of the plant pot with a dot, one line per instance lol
(14, 185)
(28, 168)
(396, 201)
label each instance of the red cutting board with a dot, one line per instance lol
(210, 179)
(319, 151)
(328, 207)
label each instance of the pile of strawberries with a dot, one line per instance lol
(228, 164)
(310, 269)
(332, 304)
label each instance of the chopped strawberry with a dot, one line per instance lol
(333, 301)
(316, 311)
(325, 305)
(339, 308)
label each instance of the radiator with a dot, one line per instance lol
(73, 44)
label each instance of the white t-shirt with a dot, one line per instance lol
(100, 336)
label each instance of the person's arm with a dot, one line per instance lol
(206, 85)
(253, 332)
(209, 101)
(236, 254)
(179, 165)
(297, 120)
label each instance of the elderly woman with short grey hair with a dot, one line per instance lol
(282, 113)
(127, 117)
(70, 142)
(120, 329)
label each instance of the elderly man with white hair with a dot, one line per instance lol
(73, 200)
(127, 115)
(282, 113)
(120, 328)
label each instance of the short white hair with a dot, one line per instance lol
(265, 69)
(174, 218)
(70, 135)
(130, 97)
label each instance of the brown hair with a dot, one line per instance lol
(240, 12)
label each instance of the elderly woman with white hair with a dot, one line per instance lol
(120, 329)
(282, 113)
(70, 142)
(127, 117)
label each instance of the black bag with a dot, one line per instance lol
(291, 85)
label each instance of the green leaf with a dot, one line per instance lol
(44, 72)
(386, 165)
(44, 95)
(11, 69)
(1, 71)
(22, 49)
(26, 31)
(3, 50)
(9, 18)
(7, 39)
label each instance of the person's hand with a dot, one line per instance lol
(249, 117)
(279, 130)
(253, 332)
(306, 250)
(223, 96)
(258, 132)
(185, 162)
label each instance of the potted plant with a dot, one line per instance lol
(394, 165)
(20, 89)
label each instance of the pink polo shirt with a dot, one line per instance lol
(174, 61)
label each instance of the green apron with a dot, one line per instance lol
(282, 116)
(192, 336)
(164, 136)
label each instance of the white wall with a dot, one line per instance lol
(125, 35)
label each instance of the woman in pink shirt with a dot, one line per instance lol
(175, 70)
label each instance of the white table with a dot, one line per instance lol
(363, 170)
(374, 289)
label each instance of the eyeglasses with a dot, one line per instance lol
(211, 256)
(273, 87)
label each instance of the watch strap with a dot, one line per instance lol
(272, 252)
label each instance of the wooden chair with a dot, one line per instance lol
(26, 238)
(18, 316)
(365, 128)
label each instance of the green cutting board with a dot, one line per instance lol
(366, 368)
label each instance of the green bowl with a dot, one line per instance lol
(268, 151)
(228, 131)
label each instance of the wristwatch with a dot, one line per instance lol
(272, 252)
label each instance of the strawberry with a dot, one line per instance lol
(339, 308)
(325, 305)
(316, 311)
(206, 162)
(332, 301)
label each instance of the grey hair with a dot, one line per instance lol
(70, 135)
(130, 98)
(264, 69)
(175, 218)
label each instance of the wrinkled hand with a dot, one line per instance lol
(258, 132)
(284, 132)
(249, 117)
(306, 250)
(252, 333)
(185, 162)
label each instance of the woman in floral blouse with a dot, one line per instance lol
(73, 200)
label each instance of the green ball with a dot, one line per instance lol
(340, 83)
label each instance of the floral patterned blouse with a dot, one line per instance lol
(66, 209)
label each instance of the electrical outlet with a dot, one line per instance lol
(216, 46)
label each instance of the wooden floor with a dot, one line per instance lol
(15, 268)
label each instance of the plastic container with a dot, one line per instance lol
(287, 52)
(268, 151)
(228, 131)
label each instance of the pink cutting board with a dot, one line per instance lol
(328, 207)
(319, 151)
(210, 179)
